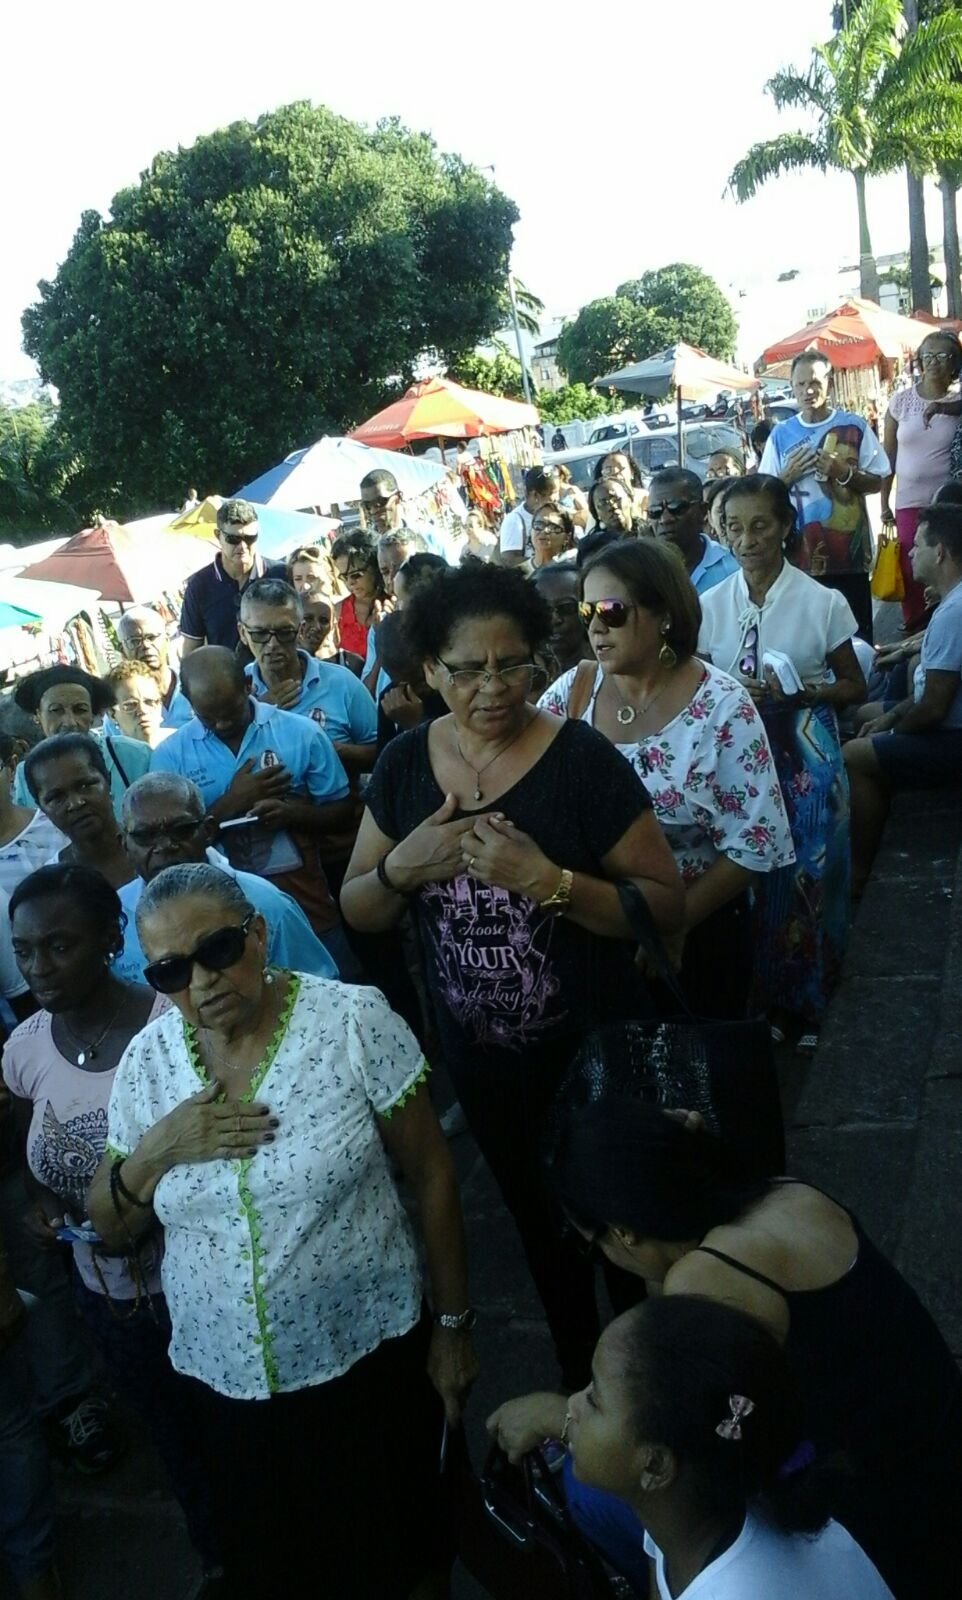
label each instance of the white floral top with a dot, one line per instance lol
(284, 1270)
(710, 775)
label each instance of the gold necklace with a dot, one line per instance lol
(626, 712)
(480, 771)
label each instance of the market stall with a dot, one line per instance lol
(683, 371)
(867, 347)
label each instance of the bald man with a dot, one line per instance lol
(143, 637)
(271, 780)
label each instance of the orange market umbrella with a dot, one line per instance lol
(440, 409)
(855, 334)
(122, 567)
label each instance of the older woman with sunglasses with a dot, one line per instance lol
(697, 744)
(505, 831)
(258, 1121)
(788, 639)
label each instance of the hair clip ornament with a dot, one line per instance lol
(740, 1406)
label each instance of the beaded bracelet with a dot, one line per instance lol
(131, 1199)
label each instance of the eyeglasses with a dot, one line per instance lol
(524, 674)
(563, 608)
(284, 635)
(547, 527)
(236, 539)
(613, 613)
(131, 707)
(216, 953)
(748, 662)
(174, 831)
(675, 508)
(143, 638)
(935, 358)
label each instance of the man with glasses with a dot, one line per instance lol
(676, 512)
(165, 824)
(385, 511)
(212, 596)
(143, 637)
(284, 676)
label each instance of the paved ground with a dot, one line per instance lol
(876, 1119)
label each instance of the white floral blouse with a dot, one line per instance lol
(283, 1270)
(710, 775)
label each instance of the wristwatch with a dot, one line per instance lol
(456, 1321)
(560, 901)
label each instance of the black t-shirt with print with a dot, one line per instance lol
(506, 978)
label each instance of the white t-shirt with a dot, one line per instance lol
(282, 1271)
(799, 617)
(516, 531)
(33, 847)
(764, 1564)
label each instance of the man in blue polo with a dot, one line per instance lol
(676, 511)
(212, 596)
(272, 781)
(284, 676)
(165, 824)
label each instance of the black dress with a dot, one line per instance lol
(514, 989)
(879, 1382)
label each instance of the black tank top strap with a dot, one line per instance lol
(739, 1266)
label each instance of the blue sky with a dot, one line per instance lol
(613, 130)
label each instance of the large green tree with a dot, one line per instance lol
(572, 403)
(498, 374)
(643, 316)
(880, 98)
(275, 280)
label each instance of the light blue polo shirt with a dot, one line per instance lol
(291, 941)
(179, 711)
(715, 566)
(332, 697)
(273, 739)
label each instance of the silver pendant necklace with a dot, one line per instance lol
(626, 713)
(480, 771)
(88, 1050)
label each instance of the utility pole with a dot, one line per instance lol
(517, 333)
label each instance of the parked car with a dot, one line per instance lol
(781, 410)
(581, 463)
(702, 439)
(620, 425)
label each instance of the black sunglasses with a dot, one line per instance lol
(235, 539)
(613, 613)
(675, 508)
(174, 831)
(563, 608)
(220, 950)
(284, 635)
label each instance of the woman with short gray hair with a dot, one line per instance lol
(258, 1121)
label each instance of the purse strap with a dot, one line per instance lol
(579, 692)
(642, 924)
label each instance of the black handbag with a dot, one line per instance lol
(723, 1070)
(518, 1539)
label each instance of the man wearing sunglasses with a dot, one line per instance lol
(165, 824)
(274, 775)
(212, 596)
(284, 676)
(384, 509)
(676, 512)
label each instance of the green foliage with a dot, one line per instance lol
(530, 308)
(39, 473)
(258, 289)
(497, 374)
(678, 302)
(569, 404)
(879, 98)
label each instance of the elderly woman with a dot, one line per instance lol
(67, 700)
(789, 640)
(664, 1199)
(505, 830)
(257, 1121)
(621, 464)
(138, 708)
(698, 745)
(918, 435)
(614, 509)
(60, 1067)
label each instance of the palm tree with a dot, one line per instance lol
(530, 308)
(882, 98)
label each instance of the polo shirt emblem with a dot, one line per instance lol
(270, 758)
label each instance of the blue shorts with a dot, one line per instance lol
(928, 760)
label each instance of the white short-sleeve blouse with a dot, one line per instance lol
(284, 1270)
(799, 617)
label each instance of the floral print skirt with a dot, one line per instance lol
(802, 910)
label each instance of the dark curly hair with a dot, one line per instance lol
(93, 895)
(762, 485)
(463, 593)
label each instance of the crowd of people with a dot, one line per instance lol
(384, 804)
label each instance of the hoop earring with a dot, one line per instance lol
(667, 656)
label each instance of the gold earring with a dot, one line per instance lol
(666, 654)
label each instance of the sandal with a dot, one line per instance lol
(807, 1044)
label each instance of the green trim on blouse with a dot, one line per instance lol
(263, 1337)
(408, 1093)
